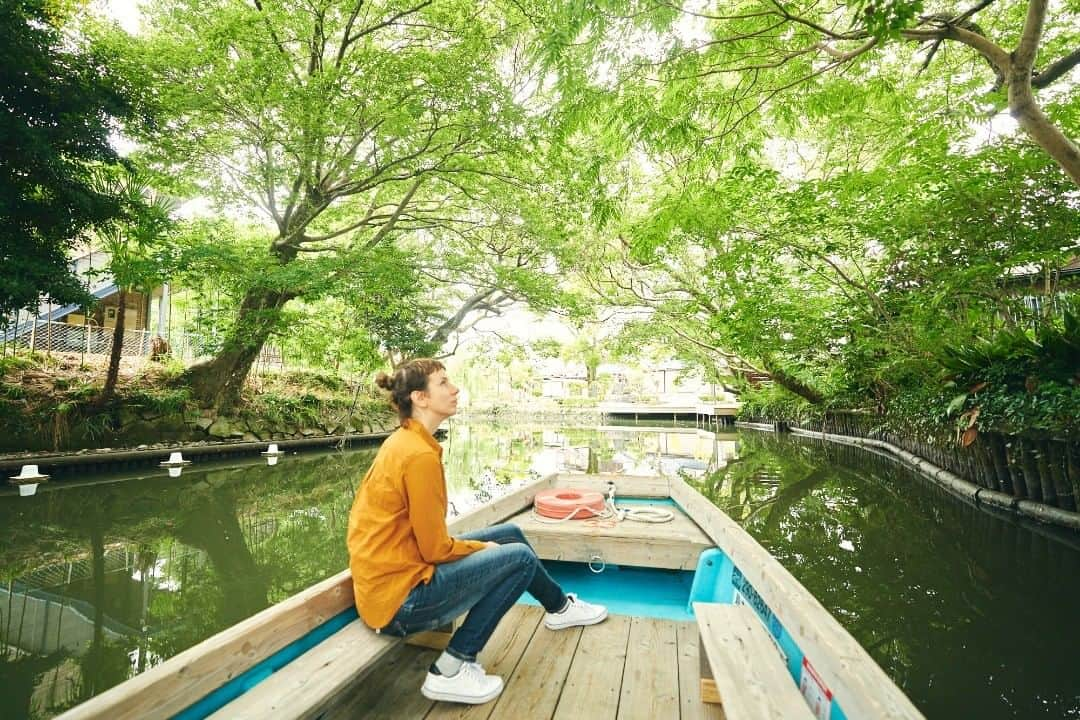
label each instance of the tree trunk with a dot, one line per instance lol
(218, 381)
(997, 456)
(117, 349)
(1013, 451)
(1035, 485)
(1072, 467)
(213, 526)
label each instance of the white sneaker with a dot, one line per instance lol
(577, 612)
(471, 685)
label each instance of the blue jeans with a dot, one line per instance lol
(486, 584)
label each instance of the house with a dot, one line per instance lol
(144, 313)
(1042, 290)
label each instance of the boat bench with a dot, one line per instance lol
(309, 684)
(741, 667)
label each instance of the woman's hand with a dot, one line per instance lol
(491, 544)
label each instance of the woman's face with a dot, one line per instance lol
(442, 395)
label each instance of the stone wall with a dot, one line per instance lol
(135, 427)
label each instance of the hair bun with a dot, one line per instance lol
(386, 382)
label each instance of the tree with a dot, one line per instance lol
(346, 124)
(133, 241)
(61, 98)
(843, 289)
(763, 59)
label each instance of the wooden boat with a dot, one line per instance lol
(759, 646)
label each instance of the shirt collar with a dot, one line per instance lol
(417, 427)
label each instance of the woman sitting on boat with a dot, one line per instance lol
(410, 575)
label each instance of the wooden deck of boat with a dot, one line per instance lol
(673, 545)
(622, 669)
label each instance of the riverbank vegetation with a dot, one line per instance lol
(53, 404)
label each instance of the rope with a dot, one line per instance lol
(612, 513)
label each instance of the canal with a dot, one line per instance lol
(970, 613)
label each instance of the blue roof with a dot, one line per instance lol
(102, 292)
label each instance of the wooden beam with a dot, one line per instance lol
(625, 485)
(709, 693)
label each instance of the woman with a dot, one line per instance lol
(409, 575)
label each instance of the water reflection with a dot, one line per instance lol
(963, 609)
(102, 581)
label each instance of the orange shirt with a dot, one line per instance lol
(397, 525)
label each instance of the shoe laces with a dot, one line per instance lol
(475, 669)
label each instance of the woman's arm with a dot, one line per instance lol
(425, 497)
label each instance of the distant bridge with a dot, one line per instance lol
(675, 411)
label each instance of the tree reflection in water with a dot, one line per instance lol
(138, 571)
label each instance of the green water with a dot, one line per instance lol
(972, 615)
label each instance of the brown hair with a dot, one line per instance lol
(407, 377)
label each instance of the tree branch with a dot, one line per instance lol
(1053, 72)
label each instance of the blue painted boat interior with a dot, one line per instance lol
(661, 502)
(625, 590)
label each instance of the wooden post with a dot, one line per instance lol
(1053, 457)
(1036, 486)
(1016, 474)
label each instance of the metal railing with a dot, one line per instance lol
(51, 337)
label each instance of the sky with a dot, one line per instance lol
(126, 12)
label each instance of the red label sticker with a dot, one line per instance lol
(814, 691)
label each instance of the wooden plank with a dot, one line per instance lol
(595, 679)
(673, 545)
(625, 485)
(749, 674)
(681, 528)
(710, 694)
(690, 696)
(650, 687)
(594, 682)
(304, 687)
(500, 656)
(533, 690)
(667, 554)
(501, 509)
(391, 692)
(168, 688)
(860, 686)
